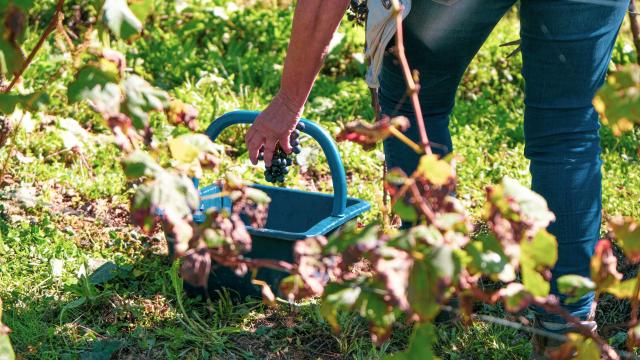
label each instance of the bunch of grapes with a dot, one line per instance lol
(358, 11)
(281, 161)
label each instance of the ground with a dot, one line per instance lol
(64, 207)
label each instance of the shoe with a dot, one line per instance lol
(544, 346)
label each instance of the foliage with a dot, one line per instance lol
(411, 273)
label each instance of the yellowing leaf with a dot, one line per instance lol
(182, 151)
(627, 233)
(439, 172)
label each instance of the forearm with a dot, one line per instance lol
(314, 24)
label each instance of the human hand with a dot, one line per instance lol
(272, 127)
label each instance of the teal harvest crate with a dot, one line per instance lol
(293, 214)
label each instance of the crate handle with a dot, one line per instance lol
(319, 134)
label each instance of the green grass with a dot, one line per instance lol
(79, 215)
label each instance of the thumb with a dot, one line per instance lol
(284, 143)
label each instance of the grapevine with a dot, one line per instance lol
(410, 274)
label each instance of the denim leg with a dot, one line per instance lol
(441, 38)
(566, 49)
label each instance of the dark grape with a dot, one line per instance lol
(281, 161)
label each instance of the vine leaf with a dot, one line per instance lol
(33, 102)
(119, 18)
(438, 172)
(380, 315)
(575, 286)
(99, 86)
(368, 135)
(577, 347)
(12, 23)
(627, 234)
(337, 297)
(196, 266)
(139, 164)
(515, 297)
(604, 263)
(141, 98)
(618, 100)
(488, 258)
(623, 289)
(420, 344)
(538, 254)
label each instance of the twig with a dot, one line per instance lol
(50, 28)
(426, 210)
(412, 87)
(635, 28)
(402, 137)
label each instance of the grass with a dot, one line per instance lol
(63, 217)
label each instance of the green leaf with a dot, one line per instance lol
(534, 282)
(350, 235)
(6, 350)
(379, 314)
(142, 8)
(542, 250)
(575, 286)
(515, 297)
(98, 86)
(257, 196)
(141, 98)
(532, 207)
(488, 258)
(105, 273)
(423, 290)
(618, 100)
(437, 171)
(119, 18)
(337, 297)
(405, 211)
(623, 289)
(11, 58)
(32, 102)
(627, 233)
(188, 148)
(420, 344)
(586, 348)
(139, 164)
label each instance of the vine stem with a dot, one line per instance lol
(413, 88)
(635, 27)
(49, 29)
(587, 332)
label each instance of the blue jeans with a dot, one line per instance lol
(566, 49)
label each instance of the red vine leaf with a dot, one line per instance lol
(627, 233)
(368, 134)
(196, 266)
(604, 266)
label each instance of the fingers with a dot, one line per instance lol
(254, 143)
(269, 149)
(284, 143)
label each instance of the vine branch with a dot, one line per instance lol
(413, 88)
(49, 29)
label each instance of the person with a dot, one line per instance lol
(566, 48)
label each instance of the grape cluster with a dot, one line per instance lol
(358, 11)
(281, 161)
